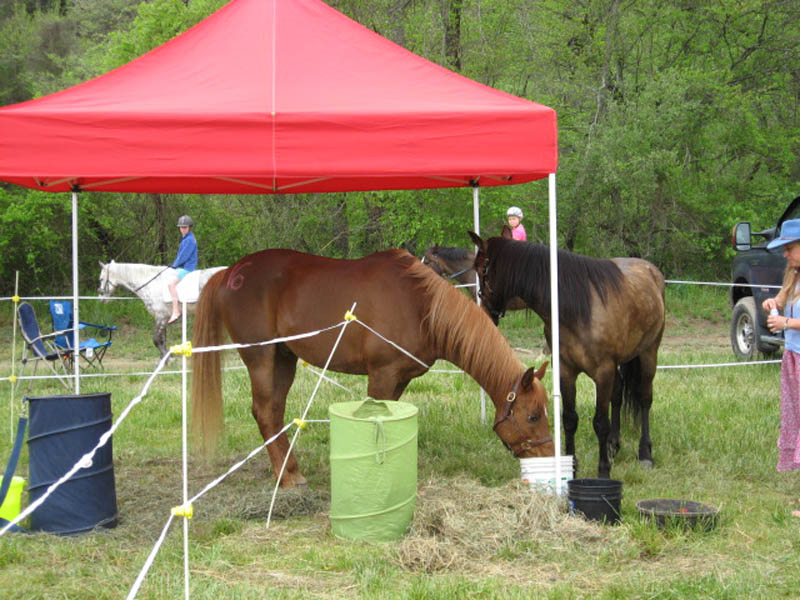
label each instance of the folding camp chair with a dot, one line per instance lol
(91, 349)
(38, 347)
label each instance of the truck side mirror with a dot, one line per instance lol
(741, 237)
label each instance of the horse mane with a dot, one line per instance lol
(131, 275)
(461, 331)
(523, 269)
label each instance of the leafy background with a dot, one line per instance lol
(676, 119)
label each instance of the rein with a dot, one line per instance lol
(434, 264)
(149, 280)
(508, 410)
(461, 272)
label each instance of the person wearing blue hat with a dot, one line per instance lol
(784, 315)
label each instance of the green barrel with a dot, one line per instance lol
(373, 469)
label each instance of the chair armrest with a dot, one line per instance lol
(83, 324)
(45, 336)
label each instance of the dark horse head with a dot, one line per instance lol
(448, 261)
(508, 268)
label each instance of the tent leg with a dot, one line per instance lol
(476, 217)
(76, 310)
(555, 337)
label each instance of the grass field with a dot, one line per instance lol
(477, 532)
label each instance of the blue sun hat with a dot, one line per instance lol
(790, 232)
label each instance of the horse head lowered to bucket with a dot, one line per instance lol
(282, 293)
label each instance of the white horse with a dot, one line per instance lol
(149, 283)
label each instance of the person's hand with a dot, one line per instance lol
(776, 322)
(769, 304)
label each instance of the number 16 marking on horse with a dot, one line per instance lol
(287, 293)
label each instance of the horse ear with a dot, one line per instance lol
(506, 233)
(476, 239)
(542, 370)
(531, 374)
(102, 264)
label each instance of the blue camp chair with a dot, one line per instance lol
(38, 347)
(91, 349)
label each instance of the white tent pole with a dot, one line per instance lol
(554, 328)
(13, 386)
(185, 453)
(76, 355)
(476, 218)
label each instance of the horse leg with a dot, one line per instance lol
(648, 372)
(272, 371)
(160, 336)
(616, 408)
(604, 385)
(569, 416)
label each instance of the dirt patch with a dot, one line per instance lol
(687, 334)
(697, 334)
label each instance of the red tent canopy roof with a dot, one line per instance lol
(270, 96)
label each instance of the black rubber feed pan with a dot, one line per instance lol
(681, 513)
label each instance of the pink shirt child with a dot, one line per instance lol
(518, 233)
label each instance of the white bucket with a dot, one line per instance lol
(540, 473)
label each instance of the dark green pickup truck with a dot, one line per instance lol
(757, 274)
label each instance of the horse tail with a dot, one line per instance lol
(206, 368)
(631, 373)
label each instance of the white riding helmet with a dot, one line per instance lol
(514, 211)
(185, 221)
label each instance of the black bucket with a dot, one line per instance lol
(61, 430)
(595, 499)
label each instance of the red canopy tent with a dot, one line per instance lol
(269, 96)
(289, 96)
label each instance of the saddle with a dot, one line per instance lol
(188, 288)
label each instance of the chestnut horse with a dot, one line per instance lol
(281, 293)
(611, 315)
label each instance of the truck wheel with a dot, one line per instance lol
(743, 329)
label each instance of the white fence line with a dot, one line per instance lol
(186, 509)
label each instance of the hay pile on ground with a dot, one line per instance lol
(460, 523)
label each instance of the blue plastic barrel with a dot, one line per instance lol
(61, 429)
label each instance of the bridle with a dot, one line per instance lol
(105, 284)
(432, 264)
(507, 411)
(485, 292)
(438, 268)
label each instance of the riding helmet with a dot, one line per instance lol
(514, 211)
(185, 221)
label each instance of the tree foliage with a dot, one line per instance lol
(676, 119)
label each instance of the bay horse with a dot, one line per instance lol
(611, 315)
(148, 282)
(280, 293)
(458, 264)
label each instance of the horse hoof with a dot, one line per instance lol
(646, 463)
(297, 486)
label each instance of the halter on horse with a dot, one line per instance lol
(275, 293)
(611, 322)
